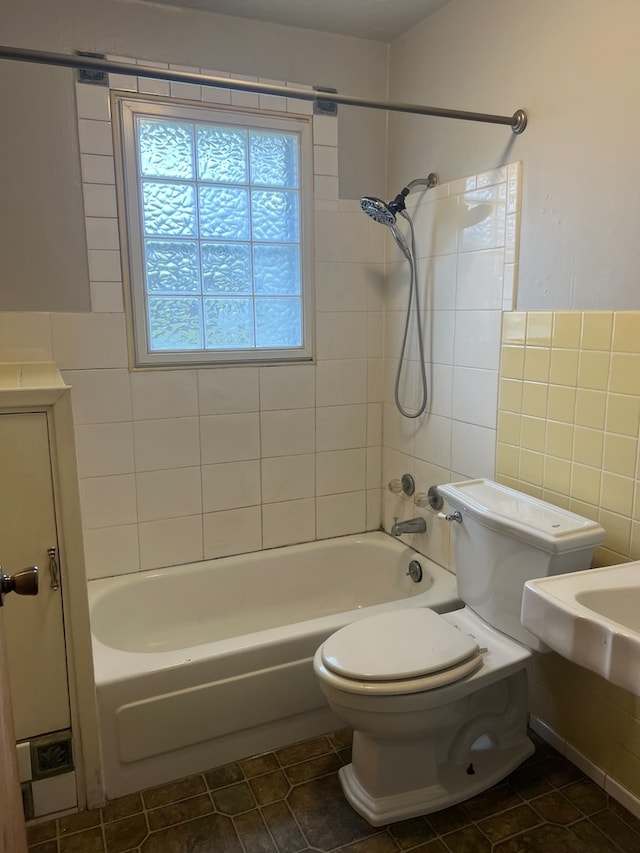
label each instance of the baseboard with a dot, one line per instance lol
(609, 785)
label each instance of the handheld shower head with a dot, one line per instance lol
(385, 213)
(378, 210)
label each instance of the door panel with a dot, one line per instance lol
(33, 626)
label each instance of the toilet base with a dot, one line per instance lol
(454, 752)
(454, 786)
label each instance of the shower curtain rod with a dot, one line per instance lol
(517, 122)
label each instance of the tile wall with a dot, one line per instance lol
(180, 465)
(568, 421)
(467, 246)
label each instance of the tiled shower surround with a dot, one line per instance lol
(569, 416)
(182, 465)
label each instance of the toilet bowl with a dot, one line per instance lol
(438, 702)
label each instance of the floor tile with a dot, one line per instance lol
(291, 801)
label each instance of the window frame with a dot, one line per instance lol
(125, 107)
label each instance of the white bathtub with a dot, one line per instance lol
(203, 664)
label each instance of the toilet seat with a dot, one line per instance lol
(403, 651)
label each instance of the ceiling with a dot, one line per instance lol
(381, 20)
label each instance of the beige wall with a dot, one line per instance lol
(42, 241)
(574, 66)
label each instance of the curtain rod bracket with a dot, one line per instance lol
(519, 121)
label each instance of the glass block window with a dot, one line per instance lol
(218, 205)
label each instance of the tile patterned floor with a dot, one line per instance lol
(290, 801)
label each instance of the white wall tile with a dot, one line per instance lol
(288, 522)
(104, 265)
(341, 335)
(287, 387)
(85, 341)
(169, 494)
(111, 551)
(374, 424)
(286, 478)
(325, 130)
(107, 297)
(95, 137)
(482, 218)
(102, 233)
(171, 542)
(288, 432)
(212, 94)
(438, 328)
(341, 471)
(341, 427)
(339, 515)
(437, 277)
(104, 449)
(92, 102)
(341, 236)
(341, 286)
(166, 443)
(229, 438)
(164, 394)
(25, 336)
(234, 531)
(374, 509)
(480, 280)
(440, 389)
(433, 439)
(341, 382)
(108, 501)
(228, 390)
(374, 467)
(477, 339)
(190, 91)
(150, 86)
(97, 169)
(475, 396)
(99, 396)
(473, 450)
(100, 198)
(231, 484)
(325, 160)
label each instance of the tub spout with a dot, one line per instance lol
(411, 525)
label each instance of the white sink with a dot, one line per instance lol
(591, 618)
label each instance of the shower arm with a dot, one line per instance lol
(517, 122)
(398, 205)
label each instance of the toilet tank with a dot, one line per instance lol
(506, 538)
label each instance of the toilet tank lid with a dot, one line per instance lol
(524, 517)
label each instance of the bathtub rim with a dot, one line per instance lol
(114, 665)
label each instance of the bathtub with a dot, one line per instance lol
(202, 664)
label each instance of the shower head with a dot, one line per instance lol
(378, 210)
(385, 213)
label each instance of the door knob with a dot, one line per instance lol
(24, 582)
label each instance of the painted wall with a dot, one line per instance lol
(574, 67)
(44, 265)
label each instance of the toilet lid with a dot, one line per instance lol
(396, 645)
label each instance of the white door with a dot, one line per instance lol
(13, 838)
(33, 626)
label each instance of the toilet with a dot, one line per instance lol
(438, 702)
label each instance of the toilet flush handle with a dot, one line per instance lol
(456, 515)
